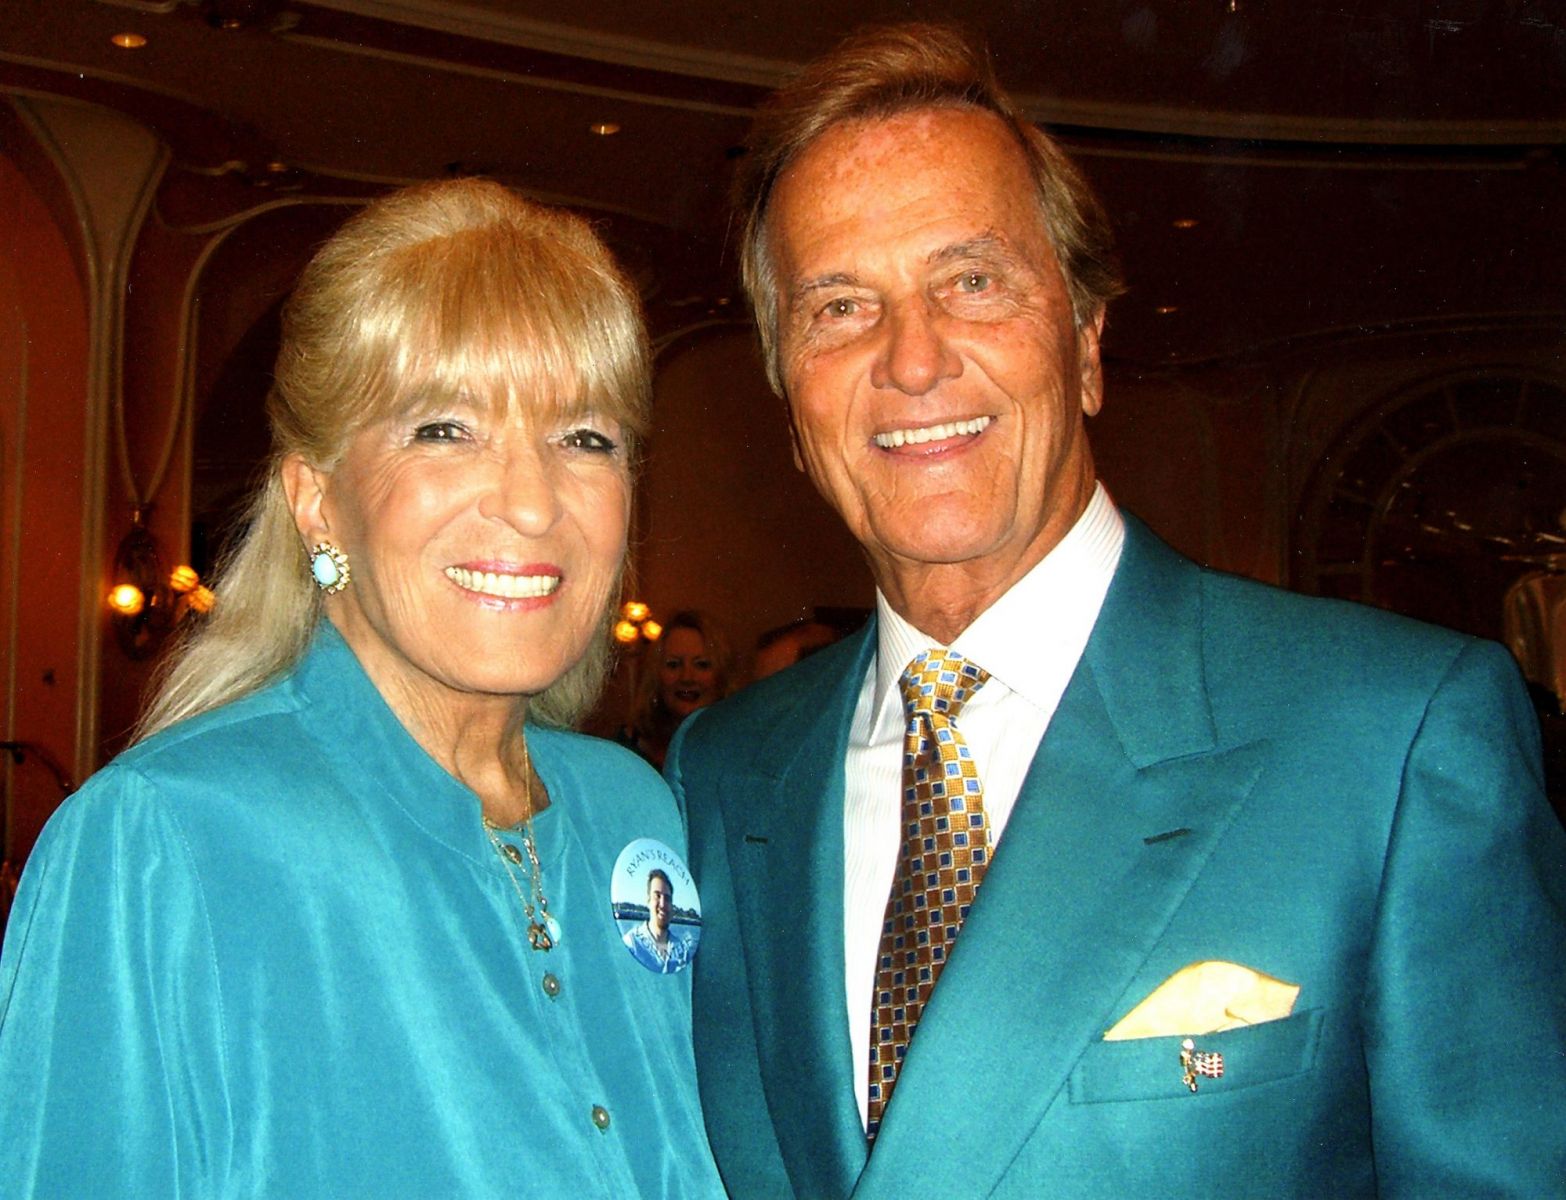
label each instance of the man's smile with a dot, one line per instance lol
(918, 435)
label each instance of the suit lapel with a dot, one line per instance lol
(1125, 801)
(787, 856)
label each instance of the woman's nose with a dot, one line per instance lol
(522, 492)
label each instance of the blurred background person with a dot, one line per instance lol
(334, 926)
(782, 647)
(690, 666)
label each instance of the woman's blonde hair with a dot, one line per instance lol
(459, 287)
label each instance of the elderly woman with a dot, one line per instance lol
(340, 923)
(689, 667)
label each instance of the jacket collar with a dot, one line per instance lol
(1126, 800)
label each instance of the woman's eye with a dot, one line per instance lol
(441, 431)
(843, 306)
(973, 281)
(589, 439)
(703, 664)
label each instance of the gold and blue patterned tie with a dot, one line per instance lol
(945, 848)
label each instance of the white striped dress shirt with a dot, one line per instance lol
(1030, 641)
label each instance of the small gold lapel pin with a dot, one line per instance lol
(1194, 1062)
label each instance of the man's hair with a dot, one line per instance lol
(879, 73)
(458, 288)
(659, 873)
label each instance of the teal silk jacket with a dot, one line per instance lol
(271, 952)
(1339, 798)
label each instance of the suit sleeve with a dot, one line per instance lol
(1465, 1005)
(110, 1030)
(728, 1062)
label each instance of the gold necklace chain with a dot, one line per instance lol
(536, 908)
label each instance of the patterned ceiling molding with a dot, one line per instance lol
(505, 28)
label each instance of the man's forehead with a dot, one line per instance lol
(898, 168)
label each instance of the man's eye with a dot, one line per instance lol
(441, 431)
(589, 439)
(973, 281)
(843, 306)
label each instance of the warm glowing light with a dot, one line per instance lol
(183, 578)
(1185, 222)
(126, 599)
(625, 631)
(201, 600)
(651, 630)
(604, 129)
(635, 610)
(129, 41)
(277, 166)
(1164, 310)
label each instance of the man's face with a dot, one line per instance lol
(936, 380)
(659, 894)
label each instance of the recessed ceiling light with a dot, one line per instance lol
(1164, 310)
(604, 129)
(277, 166)
(129, 41)
(1185, 222)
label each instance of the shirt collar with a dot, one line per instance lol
(1030, 639)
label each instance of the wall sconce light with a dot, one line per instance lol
(636, 624)
(126, 599)
(144, 603)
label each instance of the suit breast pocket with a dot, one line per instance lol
(1150, 1068)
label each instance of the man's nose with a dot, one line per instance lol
(522, 491)
(915, 355)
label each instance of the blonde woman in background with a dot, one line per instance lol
(690, 666)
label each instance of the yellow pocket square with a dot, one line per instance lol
(1207, 997)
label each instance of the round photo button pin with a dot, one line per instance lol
(655, 906)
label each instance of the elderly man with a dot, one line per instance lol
(1083, 871)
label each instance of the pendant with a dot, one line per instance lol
(538, 935)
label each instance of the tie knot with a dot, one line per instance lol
(940, 682)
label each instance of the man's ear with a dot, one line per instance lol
(1089, 367)
(793, 436)
(305, 487)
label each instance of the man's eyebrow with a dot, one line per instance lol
(984, 245)
(805, 288)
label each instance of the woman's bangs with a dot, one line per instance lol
(510, 324)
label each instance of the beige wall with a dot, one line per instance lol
(726, 522)
(43, 390)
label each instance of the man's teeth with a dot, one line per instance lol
(508, 587)
(930, 433)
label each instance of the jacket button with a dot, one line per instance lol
(551, 985)
(600, 1117)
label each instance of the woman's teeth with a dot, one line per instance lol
(507, 587)
(930, 433)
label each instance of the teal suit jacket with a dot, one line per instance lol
(1340, 798)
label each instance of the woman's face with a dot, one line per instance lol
(687, 678)
(483, 546)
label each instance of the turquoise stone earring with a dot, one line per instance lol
(329, 567)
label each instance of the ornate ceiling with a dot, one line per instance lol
(1332, 165)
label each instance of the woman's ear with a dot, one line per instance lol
(305, 487)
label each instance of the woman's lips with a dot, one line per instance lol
(519, 583)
